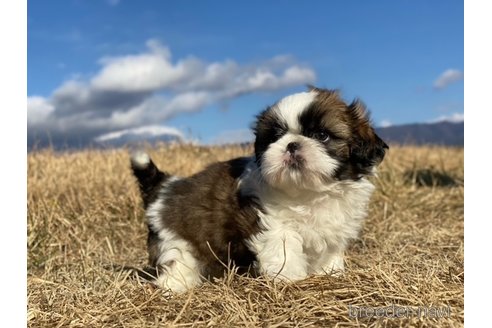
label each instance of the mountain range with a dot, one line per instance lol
(440, 133)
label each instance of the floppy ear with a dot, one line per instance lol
(367, 153)
(367, 149)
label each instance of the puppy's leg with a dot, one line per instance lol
(178, 269)
(280, 254)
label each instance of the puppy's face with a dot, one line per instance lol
(311, 139)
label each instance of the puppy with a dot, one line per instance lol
(288, 212)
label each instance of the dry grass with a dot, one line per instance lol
(84, 215)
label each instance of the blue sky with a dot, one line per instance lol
(204, 69)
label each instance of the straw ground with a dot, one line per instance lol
(85, 224)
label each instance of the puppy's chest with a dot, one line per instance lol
(324, 223)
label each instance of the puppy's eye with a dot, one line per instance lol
(279, 131)
(322, 136)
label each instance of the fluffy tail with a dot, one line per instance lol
(149, 177)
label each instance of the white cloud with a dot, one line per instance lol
(298, 75)
(448, 77)
(150, 130)
(145, 72)
(154, 70)
(113, 2)
(454, 118)
(38, 110)
(385, 123)
(148, 88)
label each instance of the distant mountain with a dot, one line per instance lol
(440, 133)
(71, 142)
(130, 139)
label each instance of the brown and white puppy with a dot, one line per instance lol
(288, 212)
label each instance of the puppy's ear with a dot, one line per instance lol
(361, 122)
(365, 154)
(367, 149)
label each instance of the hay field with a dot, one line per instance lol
(85, 223)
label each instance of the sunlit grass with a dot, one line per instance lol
(85, 215)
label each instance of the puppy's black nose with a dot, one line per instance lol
(293, 146)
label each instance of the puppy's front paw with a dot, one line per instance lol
(334, 266)
(291, 273)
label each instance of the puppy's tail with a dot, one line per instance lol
(149, 177)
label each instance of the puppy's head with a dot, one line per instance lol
(312, 139)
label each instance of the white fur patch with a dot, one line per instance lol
(153, 213)
(178, 268)
(307, 232)
(290, 107)
(140, 159)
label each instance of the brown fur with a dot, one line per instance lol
(207, 210)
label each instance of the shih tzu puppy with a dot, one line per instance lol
(287, 212)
